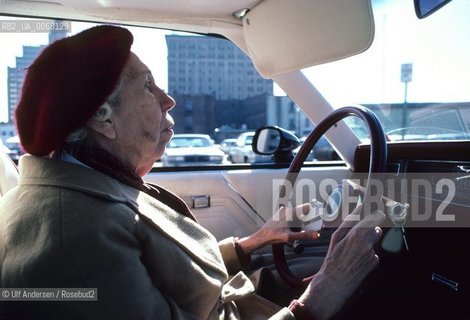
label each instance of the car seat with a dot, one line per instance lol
(8, 173)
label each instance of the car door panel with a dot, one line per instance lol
(238, 201)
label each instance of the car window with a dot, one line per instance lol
(217, 90)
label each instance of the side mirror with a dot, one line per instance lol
(272, 140)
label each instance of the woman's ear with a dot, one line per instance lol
(105, 128)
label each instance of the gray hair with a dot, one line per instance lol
(80, 138)
(103, 113)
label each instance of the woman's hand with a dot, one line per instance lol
(276, 230)
(350, 258)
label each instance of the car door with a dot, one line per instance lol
(236, 201)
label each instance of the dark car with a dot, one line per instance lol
(322, 151)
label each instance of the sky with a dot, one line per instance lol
(438, 47)
(148, 43)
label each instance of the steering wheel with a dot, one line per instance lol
(378, 161)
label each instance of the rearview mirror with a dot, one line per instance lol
(425, 8)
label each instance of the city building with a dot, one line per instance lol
(16, 76)
(194, 114)
(233, 117)
(208, 65)
(17, 73)
(209, 72)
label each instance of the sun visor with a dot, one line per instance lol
(283, 36)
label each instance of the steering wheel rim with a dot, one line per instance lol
(378, 162)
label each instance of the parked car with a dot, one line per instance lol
(14, 147)
(322, 151)
(426, 133)
(243, 152)
(12, 154)
(227, 144)
(190, 150)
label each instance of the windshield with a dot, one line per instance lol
(415, 76)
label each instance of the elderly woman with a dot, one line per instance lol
(94, 122)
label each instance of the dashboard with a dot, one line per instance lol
(429, 278)
(436, 156)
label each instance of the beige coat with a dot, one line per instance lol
(68, 226)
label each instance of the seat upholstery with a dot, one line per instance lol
(8, 173)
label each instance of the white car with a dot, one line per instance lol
(227, 144)
(242, 151)
(190, 150)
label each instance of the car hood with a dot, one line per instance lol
(206, 151)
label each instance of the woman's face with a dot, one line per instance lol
(142, 124)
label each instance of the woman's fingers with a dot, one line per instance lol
(289, 214)
(350, 258)
(355, 220)
(302, 235)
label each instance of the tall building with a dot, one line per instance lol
(258, 111)
(16, 74)
(194, 114)
(211, 76)
(212, 66)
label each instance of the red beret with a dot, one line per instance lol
(67, 83)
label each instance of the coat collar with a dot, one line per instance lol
(50, 172)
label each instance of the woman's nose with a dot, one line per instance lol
(166, 102)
